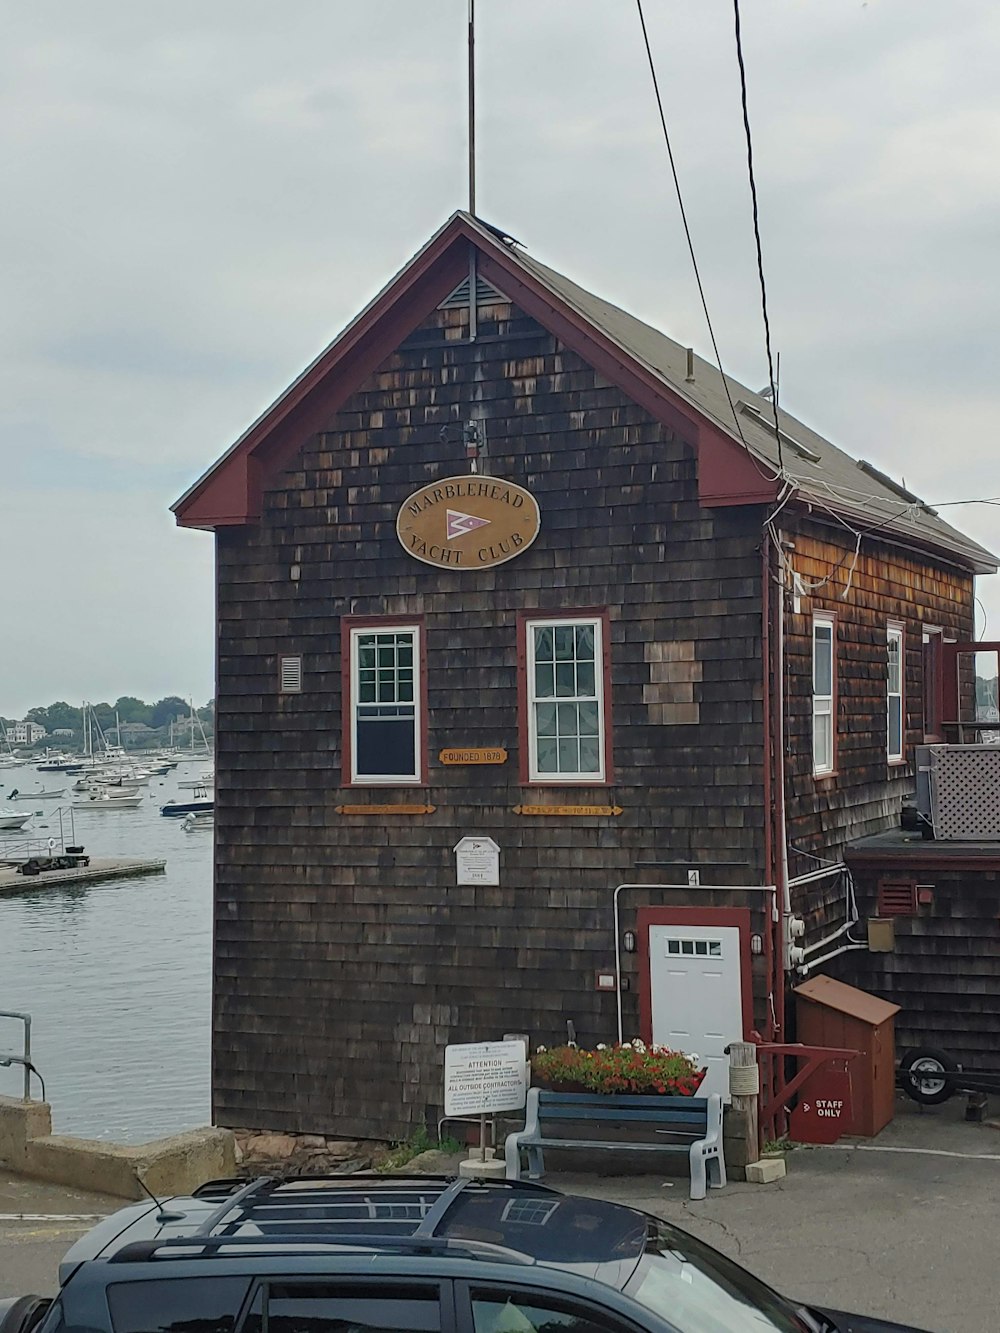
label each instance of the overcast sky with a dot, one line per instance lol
(198, 196)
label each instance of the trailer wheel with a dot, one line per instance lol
(933, 1086)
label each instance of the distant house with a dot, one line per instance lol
(135, 730)
(25, 733)
(64, 731)
(506, 564)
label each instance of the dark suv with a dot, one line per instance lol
(376, 1254)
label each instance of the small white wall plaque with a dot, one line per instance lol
(477, 861)
(483, 1077)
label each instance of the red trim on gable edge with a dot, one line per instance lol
(728, 475)
(231, 491)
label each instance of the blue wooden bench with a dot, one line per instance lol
(694, 1124)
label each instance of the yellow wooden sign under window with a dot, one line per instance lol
(480, 755)
(568, 810)
(385, 809)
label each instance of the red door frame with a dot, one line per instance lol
(707, 917)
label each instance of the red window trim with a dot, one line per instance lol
(347, 624)
(575, 613)
(820, 613)
(694, 916)
(901, 627)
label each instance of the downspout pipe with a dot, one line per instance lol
(773, 976)
(773, 598)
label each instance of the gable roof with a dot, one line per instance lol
(738, 455)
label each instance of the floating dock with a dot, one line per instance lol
(101, 867)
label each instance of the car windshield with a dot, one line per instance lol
(698, 1290)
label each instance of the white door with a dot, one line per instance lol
(695, 982)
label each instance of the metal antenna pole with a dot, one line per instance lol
(472, 107)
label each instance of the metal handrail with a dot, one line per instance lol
(25, 1059)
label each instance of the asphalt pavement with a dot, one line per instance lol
(904, 1226)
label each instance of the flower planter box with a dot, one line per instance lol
(631, 1069)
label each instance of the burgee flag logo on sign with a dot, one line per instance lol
(460, 524)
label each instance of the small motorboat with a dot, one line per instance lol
(200, 804)
(17, 795)
(117, 786)
(194, 783)
(13, 819)
(107, 800)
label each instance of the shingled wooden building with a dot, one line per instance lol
(545, 663)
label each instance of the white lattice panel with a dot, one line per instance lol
(965, 792)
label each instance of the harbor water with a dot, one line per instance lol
(116, 975)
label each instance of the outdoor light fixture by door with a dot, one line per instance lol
(628, 941)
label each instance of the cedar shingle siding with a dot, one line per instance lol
(346, 957)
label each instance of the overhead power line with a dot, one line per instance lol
(756, 232)
(689, 239)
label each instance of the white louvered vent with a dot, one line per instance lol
(485, 295)
(290, 671)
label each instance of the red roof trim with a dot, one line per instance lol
(227, 493)
(231, 492)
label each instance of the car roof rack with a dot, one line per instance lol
(332, 1212)
(205, 1247)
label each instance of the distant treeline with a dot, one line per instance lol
(62, 716)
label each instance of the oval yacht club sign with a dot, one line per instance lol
(472, 522)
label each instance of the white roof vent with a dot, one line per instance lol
(486, 294)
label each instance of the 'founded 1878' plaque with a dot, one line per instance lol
(472, 522)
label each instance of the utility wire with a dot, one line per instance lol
(690, 241)
(756, 233)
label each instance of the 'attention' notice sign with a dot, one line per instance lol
(470, 522)
(485, 1076)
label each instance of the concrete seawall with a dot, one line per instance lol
(174, 1165)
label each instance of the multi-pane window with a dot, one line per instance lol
(695, 948)
(823, 664)
(894, 693)
(565, 700)
(385, 695)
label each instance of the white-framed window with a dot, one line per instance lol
(895, 737)
(824, 666)
(384, 705)
(565, 699)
